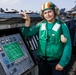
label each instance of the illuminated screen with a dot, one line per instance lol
(13, 51)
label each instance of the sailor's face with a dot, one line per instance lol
(49, 15)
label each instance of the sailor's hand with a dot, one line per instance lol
(59, 67)
(27, 18)
(63, 39)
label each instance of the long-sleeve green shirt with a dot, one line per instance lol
(66, 52)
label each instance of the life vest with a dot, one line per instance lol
(50, 46)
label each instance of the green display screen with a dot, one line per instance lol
(13, 51)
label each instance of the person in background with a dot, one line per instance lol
(54, 44)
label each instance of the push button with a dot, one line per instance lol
(8, 66)
(15, 70)
(1, 49)
(6, 61)
(3, 54)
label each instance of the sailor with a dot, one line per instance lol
(54, 44)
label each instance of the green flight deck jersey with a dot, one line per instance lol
(49, 43)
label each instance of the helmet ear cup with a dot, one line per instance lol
(57, 11)
(41, 15)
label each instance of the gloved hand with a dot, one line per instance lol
(63, 39)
